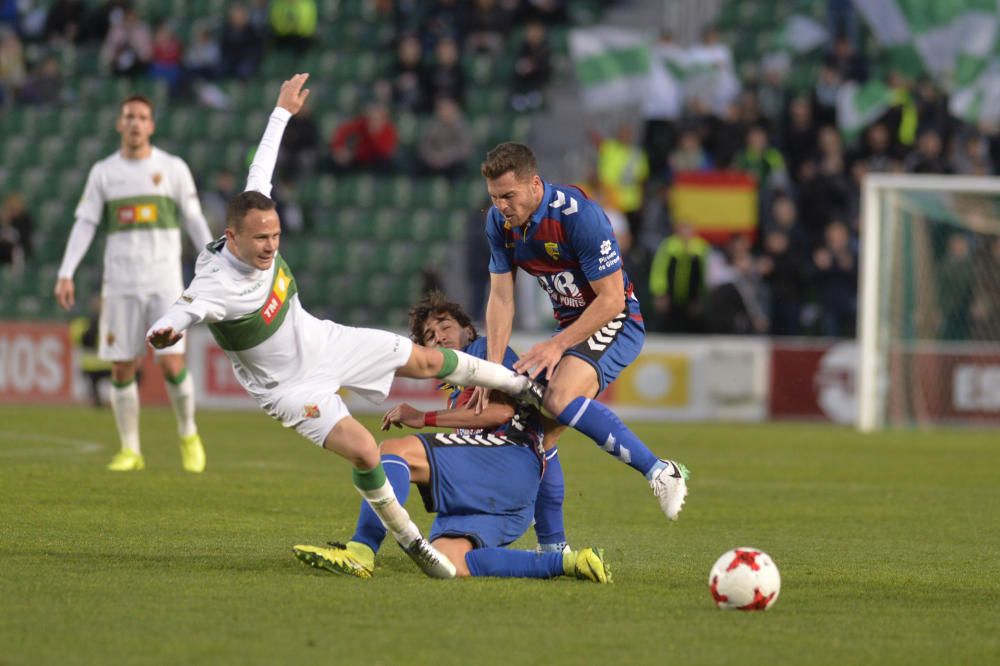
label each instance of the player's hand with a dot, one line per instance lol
(542, 358)
(479, 400)
(292, 97)
(164, 337)
(403, 415)
(65, 293)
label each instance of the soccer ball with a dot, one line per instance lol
(744, 579)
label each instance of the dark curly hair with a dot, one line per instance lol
(436, 303)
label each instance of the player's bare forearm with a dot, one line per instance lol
(499, 316)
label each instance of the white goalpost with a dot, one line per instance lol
(929, 301)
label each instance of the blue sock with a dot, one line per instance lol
(549, 528)
(604, 427)
(370, 530)
(506, 563)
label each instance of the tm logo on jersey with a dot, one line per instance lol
(562, 288)
(278, 296)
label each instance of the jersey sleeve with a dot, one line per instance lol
(499, 257)
(204, 300)
(594, 243)
(91, 205)
(262, 168)
(194, 219)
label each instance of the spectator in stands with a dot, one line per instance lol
(446, 78)
(12, 67)
(488, 24)
(128, 46)
(677, 281)
(532, 69)
(932, 108)
(444, 20)
(772, 92)
(65, 21)
(202, 58)
(877, 151)
(293, 24)
(368, 141)
(241, 45)
(824, 95)
(44, 85)
(446, 142)
(956, 286)
(762, 161)
(799, 140)
(784, 217)
(99, 21)
(689, 154)
(622, 170)
(548, 12)
(972, 157)
(821, 197)
(215, 199)
(835, 271)
(300, 144)
(409, 84)
(15, 232)
(784, 274)
(167, 54)
(928, 156)
(848, 63)
(739, 304)
(661, 105)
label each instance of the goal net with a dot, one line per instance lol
(929, 302)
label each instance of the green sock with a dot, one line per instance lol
(178, 378)
(450, 362)
(369, 479)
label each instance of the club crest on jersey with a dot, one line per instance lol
(157, 177)
(310, 411)
(110, 338)
(552, 249)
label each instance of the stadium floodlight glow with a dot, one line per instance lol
(929, 310)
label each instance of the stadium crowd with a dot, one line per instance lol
(796, 275)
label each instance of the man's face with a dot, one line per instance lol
(515, 199)
(441, 330)
(258, 238)
(135, 124)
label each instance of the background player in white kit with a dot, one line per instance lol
(292, 363)
(139, 195)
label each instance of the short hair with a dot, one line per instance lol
(509, 156)
(436, 303)
(243, 203)
(135, 97)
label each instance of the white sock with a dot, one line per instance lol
(125, 405)
(473, 371)
(392, 514)
(182, 400)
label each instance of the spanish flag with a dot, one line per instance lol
(718, 204)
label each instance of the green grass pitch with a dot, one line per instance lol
(888, 546)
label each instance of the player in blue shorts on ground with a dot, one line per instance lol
(482, 479)
(562, 238)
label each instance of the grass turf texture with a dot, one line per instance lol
(887, 547)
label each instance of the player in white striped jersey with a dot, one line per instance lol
(140, 195)
(292, 363)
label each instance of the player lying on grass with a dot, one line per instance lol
(292, 363)
(481, 480)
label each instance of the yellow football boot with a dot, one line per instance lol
(354, 559)
(127, 461)
(192, 454)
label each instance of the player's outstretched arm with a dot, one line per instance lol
(291, 97)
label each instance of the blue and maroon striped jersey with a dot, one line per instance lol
(567, 244)
(526, 425)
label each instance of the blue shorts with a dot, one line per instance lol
(482, 488)
(611, 349)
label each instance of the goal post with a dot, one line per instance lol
(929, 301)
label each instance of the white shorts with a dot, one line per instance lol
(363, 360)
(125, 320)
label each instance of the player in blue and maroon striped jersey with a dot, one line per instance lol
(562, 238)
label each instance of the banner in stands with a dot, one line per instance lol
(35, 363)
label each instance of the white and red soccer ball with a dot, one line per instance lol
(744, 579)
